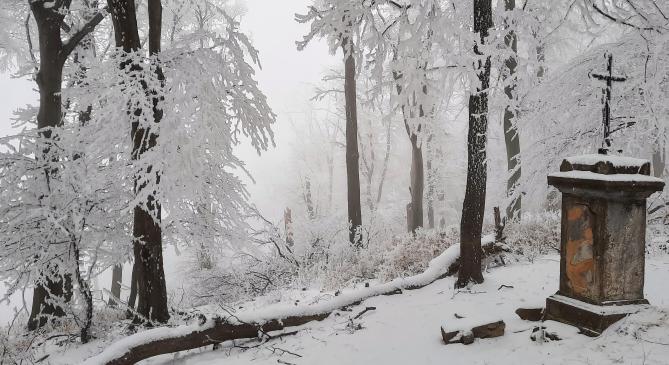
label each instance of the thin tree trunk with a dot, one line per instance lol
(384, 169)
(659, 161)
(511, 135)
(416, 174)
(132, 298)
(473, 205)
(311, 210)
(352, 155)
(417, 185)
(430, 193)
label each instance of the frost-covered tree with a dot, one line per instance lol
(341, 23)
(208, 101)
(473, 206)
(50, 16)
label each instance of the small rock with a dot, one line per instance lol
(488, 330)
(530, 314)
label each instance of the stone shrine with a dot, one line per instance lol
(602, 247)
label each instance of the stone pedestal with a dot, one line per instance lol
(603, 239)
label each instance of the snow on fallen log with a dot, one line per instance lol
(248, 324)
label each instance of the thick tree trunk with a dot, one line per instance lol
(147, 233)
(511, 135)
(352, 155)
(473, 206)
(49, 81)
(47, 299)
(151, 289)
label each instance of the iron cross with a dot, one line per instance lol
(606, 117)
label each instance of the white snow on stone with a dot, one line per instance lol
(468, 321)
(588, 175)
(616, 161)
(601, 309)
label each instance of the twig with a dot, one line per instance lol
(274, 349)
(505, 286)
(284, 362)
(367, 309)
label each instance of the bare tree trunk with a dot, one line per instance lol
(511, 135)
(417, 185)
(473, 206)
(659, 160)
(352, 155)
(132, 298)
(416, 174)
(117, 279)
(330, 162)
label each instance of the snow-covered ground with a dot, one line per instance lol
(405, 329)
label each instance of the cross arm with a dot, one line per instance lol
(608, 78)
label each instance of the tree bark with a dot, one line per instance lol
(473, 206)
(511, 135)
(132, 298)
(152, 289)
(659, 160)
(417, 185)
(117, 279)
(49, 80)
(352, 154)
(147, 233)
(53, 54)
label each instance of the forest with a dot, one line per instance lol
(334, 182)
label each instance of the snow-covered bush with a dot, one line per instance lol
(535, 235)
(321, 258)
(410, 254)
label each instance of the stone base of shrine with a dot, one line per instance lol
(591, 319)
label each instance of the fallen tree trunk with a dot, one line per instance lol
(245, 325)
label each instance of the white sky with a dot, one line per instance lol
(287, 78)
